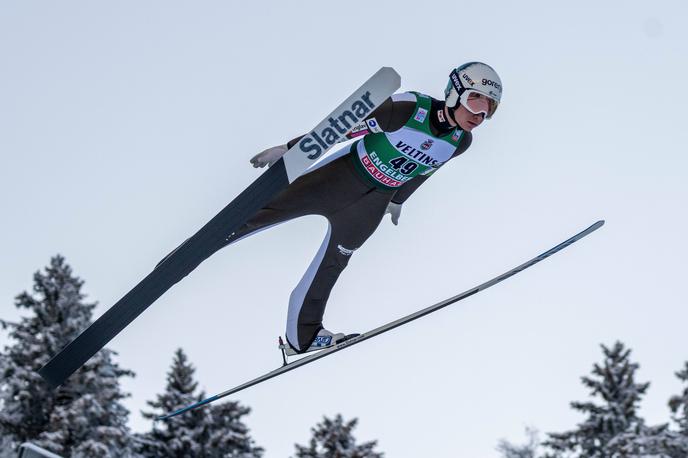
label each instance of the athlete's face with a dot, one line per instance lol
(466, 120)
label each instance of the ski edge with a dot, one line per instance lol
(393, 324)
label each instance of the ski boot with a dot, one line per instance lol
(324, 339)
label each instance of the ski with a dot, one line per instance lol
(210, 237)
(389, 326)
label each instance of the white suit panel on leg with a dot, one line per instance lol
(299, 294)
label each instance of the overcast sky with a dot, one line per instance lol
(125, 126)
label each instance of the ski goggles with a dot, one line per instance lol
(478, 103)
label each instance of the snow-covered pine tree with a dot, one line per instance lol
(94, 424)
(228, 436)
(615, 417)
(648, 442)
(7, 446)
(179, 436)
(528, 450)
(334, 439)
(679, 403)
(83, 417)
(679, 408)
(215, 431)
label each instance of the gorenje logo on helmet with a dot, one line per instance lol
(494, 84)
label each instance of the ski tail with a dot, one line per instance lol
(212, 236)
(166, 274)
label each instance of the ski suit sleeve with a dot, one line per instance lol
(408, 188)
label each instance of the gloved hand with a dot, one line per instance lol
(269, 156)
(394, 210)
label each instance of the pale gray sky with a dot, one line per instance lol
(125, 126)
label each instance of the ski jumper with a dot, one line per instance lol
(405, 141)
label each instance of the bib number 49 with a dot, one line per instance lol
(404, 165)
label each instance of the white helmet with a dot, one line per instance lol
(475, 77)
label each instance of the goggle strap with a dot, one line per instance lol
(456, 81)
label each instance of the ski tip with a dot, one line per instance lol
(592, 228)
(186, 409)
(173, 414)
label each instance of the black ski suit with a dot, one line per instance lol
(353, 206)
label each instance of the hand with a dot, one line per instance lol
(394, 210)
(269, 156)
